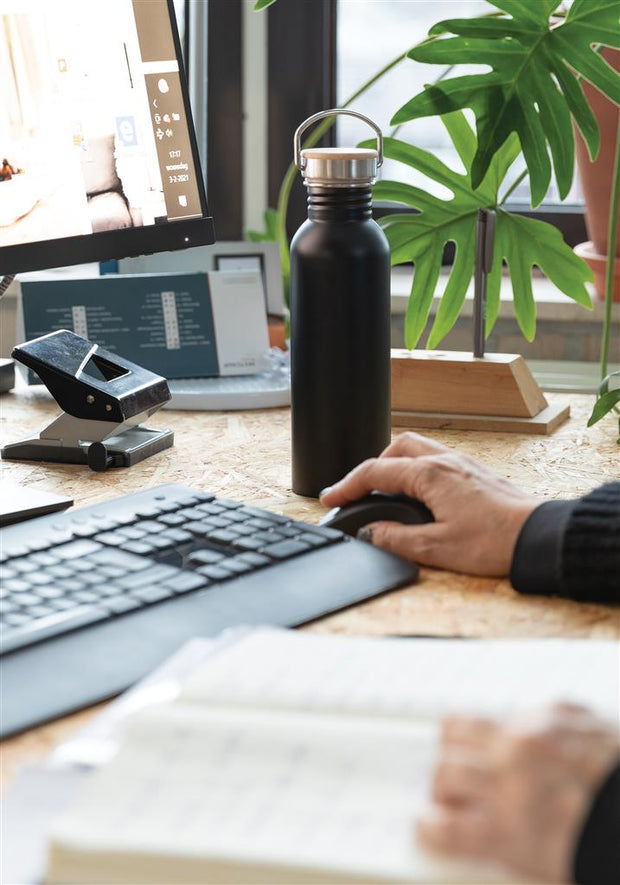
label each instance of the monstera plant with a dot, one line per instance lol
(527, 103)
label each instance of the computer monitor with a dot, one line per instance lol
(97, 147)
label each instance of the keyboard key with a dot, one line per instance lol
(254, 513)
(215, 572)
(85, 531)
(43, 558)
(81, 565)
(16, 585)
(167, 506)
(23, 566)
(228, 504)
(76, 549)
(115, 557)
(268, 537)
(211, 509)
(152, 575)
(6, 574)
(111, 571)
(289, 531)
(151, 527)
(45, 628)
(107, 590)
(186, 582)
(172, 519)
(256, 560)
(313, 540)
(25, 600)
(204, 557)
(324, 532)
(85, 596)
(139, 547)
(242, 530)
(61, 604)
(91, 579)
(235, 517)
(112, 539)
(67, 585)
(118, 605)
(159, 542)
(60, 571)
(222, 537)
(191, 513)
(16, 620)
(247, 544)
(220, 522)
(284, 549)
(151, 594)
(260, 523)
(133, 533)
(50, 592)
(41, 611)
(39, 579)
(200, 529)
(237, 566)
(177, 536)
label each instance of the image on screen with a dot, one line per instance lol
(94, 135)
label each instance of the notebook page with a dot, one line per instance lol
(419, 678)
(334, 795)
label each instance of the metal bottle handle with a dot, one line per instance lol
(332, 113)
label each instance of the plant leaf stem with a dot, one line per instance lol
(611, 256)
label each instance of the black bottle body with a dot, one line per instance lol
(340, 339)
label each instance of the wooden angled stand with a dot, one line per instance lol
(475, 391)
(449, 389)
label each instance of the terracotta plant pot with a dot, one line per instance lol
(596, 182)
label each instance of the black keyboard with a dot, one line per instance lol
(92, 599)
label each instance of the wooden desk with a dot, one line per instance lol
(246, 455)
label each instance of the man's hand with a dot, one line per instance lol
(478, 515)
(518, 794)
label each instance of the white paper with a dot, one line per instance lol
(240, 320)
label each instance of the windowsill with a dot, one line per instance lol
(551, 303)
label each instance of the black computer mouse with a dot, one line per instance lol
(377, 507)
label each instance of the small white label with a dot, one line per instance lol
(171, 321)
(80, 326)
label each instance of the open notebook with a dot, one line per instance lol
(292, 757)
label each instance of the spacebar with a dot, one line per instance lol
(45, 628)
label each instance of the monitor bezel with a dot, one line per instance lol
(128, 242)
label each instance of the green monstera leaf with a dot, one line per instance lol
(521, 242)
(534, 86)
(608, 400)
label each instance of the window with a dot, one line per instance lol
(370, 33)
(318, 53)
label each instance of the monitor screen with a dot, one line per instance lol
(97, 149)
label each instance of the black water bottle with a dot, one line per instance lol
(340, 316)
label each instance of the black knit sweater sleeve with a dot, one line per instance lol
(597, 854)
(572, 548)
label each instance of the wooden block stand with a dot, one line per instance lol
(449, 389)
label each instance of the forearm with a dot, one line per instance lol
(572, 548)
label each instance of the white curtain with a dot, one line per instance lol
(22, 83)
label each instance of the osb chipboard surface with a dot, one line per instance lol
(246, 455)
